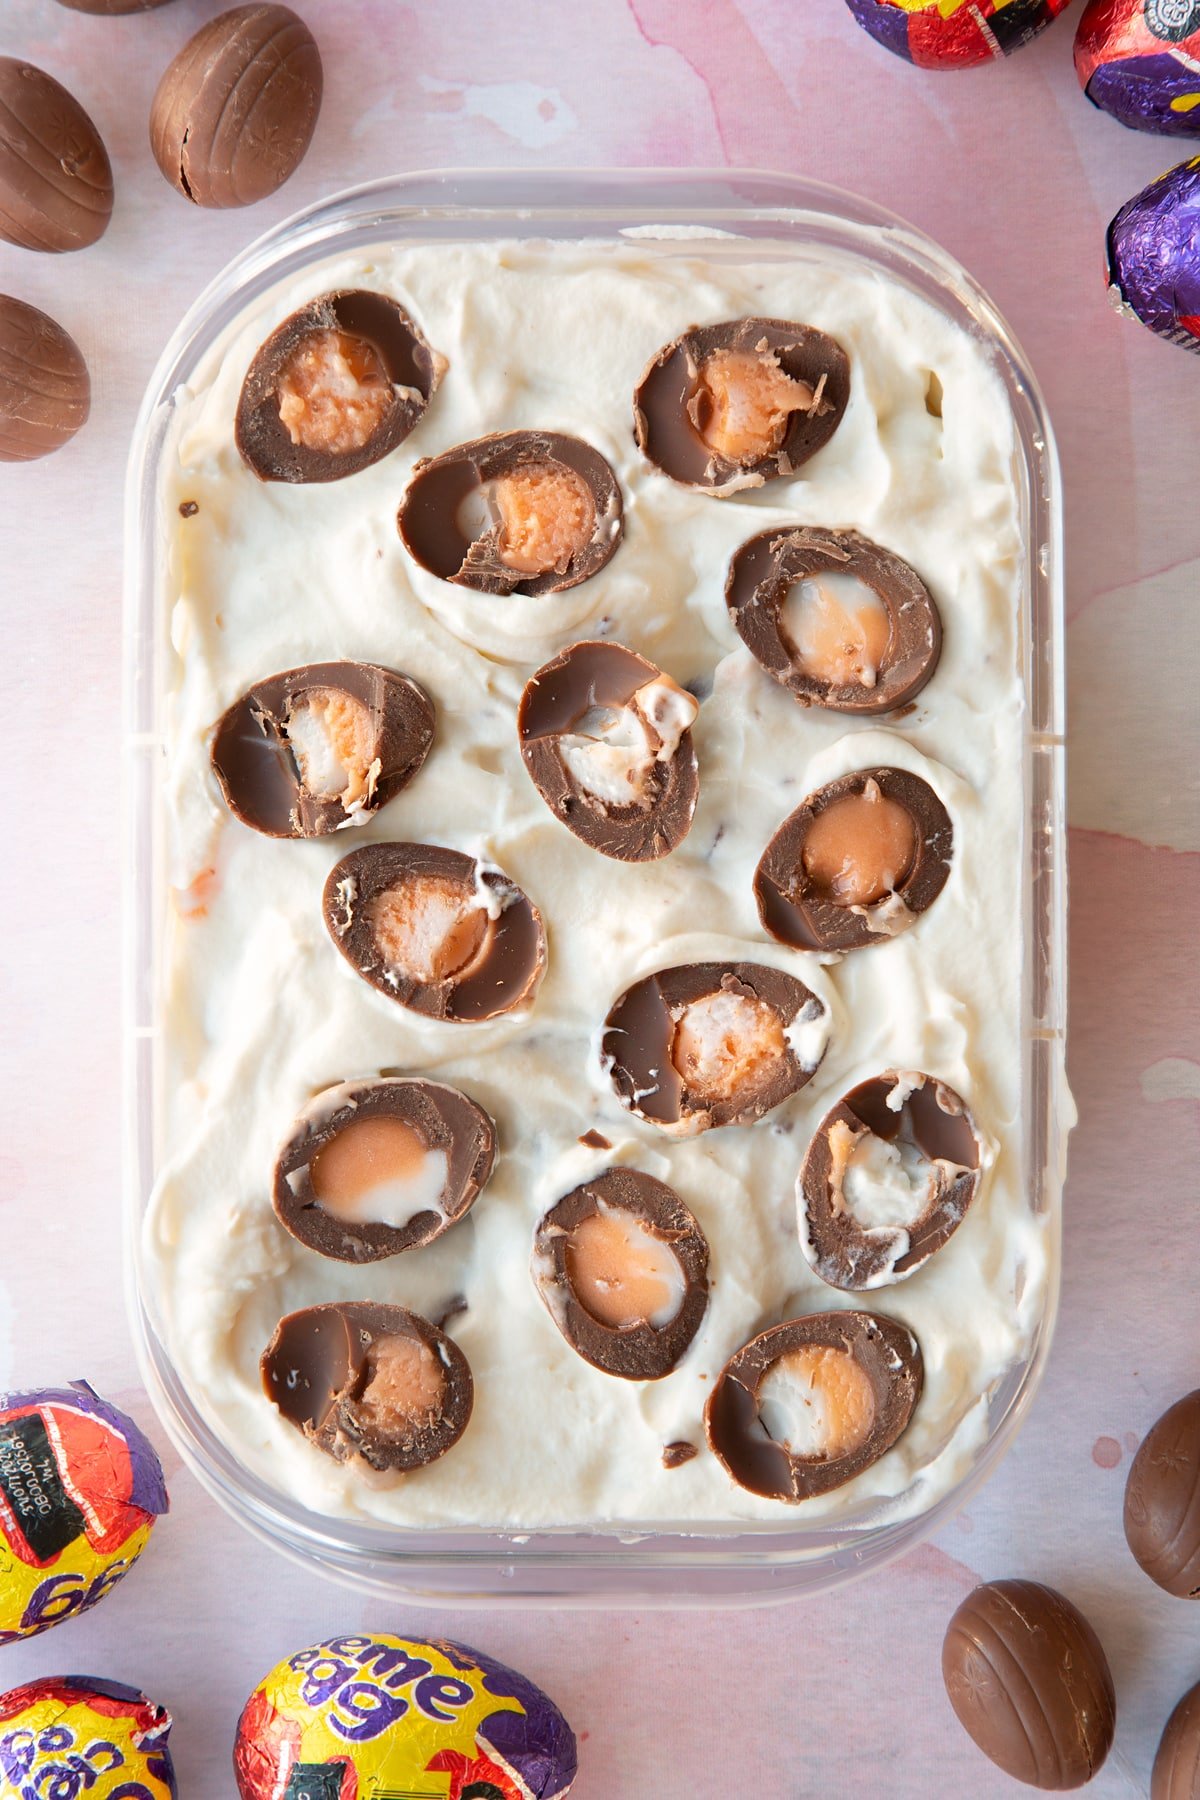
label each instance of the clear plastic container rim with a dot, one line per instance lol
(732, 1565)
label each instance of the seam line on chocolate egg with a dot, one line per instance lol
(1185, 1519)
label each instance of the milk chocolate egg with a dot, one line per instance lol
(80, 1489)
(235, 111)
(1029, 1681)
(954, 34)
(1176, 1773)
(886, 1180)
(1162, 1500)
(809, 1404)
(45, 390)
(69, 1735)
(856, 863)
(1140, 61)
(606, 737)
(375, 1714)
(318, 748)
(374, 1168)
(335, 387)
(733, 405)
(711, 1044)
(436, 931)
(1154, 256)
(519, 512)
(56, 186)
(622, 1268)
(369, 1384)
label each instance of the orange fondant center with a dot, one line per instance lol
(726, 1044)
(744, 403)
(622, 1273)
(333, 392)
(428, 928)
(818, 1401)
(860, 848)
(838, 628)
(547, 516)
(365, 1154)
(404, 1386)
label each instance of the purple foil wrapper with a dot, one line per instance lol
(954, 34)
(538, 1745)
(1139, 61)
(1154, 256)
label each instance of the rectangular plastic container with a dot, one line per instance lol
(772, 213)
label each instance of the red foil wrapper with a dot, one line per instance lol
(954, 34)
(1140, 61)
(80, 1489)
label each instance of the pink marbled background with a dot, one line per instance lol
(1018, 177)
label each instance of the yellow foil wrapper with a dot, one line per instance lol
(74, 1735)
(80, 1488)
(356, 1717)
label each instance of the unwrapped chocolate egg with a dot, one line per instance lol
(1029, 1681)
(954, 34)
(80, 1489)
(74, 1734)
(56, 185)
(1154, 256)
(45, 389)
(1140, 61)
(390, 1715)
(1162, 1500)
(236, 110)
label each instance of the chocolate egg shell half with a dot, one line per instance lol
(235, 111)
(622, 1267)
(708, 1044)
(606, 737)
(1029, 1681)
(811, 1403)
(1162, 1500)
(730, 406)
(1176, 1772)
(372, 1382)
(372, 1168)
(520, 512)
(1139, 60)
(887, 1178)
(435, 930)
(866, 635)
(334, 388)
(320, 747)
(1154, 256)
(45, 391)
(56, 186)
(856, 863)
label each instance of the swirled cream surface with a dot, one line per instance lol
(259, 1012)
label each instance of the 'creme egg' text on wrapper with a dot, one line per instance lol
(380, 1715)
(69, 1735)
(80, 1488)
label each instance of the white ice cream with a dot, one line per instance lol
(261, 1012)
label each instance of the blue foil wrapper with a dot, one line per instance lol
(1139, 60)
(1154, 256)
